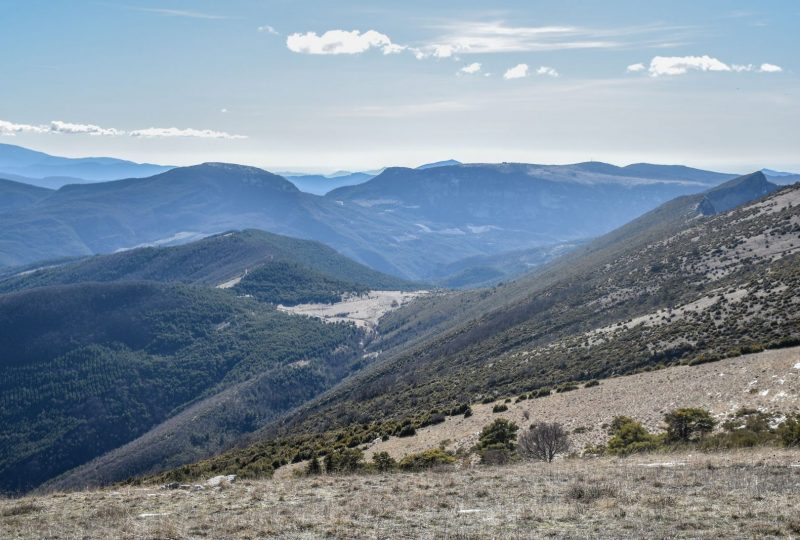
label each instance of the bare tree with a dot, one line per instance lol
(543, 441)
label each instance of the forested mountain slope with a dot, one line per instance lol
(252, 256)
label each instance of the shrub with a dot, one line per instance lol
(688, 424)
(790, 431)
(468, 412)
(313, 467)
(407, 431)
(629, 436)
(499, 434)
(383, 461)
(543, 441)
(344, 460)
(566, 387)
(541, 392)
(500, 408)
(590, 384)
(426, 460)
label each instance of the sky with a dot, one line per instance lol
(319, 86)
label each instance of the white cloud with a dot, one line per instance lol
(268, 29)
(10, 128)
(341, 42)
(498, 37)
(182, 13)
(679, 65)
(517, 72)
(548, 71)
(68, 128)
(57, 126)
(770, 68)
(472, 68)
(189, 132)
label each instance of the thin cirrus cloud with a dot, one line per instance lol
(680, 65)
(499, 37)
(150, 133)
(182, 13)
(341, 42)
(69, 128)
(269, 30)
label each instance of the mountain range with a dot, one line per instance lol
(416, 224)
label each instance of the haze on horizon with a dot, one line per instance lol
(349, 85)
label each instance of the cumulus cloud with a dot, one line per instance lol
(770, 68)
(57, 126)
(680, 65)
(10, 128)
(548, 71)
(189, 132)
(517, 72)
(472, 68)
(341, 42)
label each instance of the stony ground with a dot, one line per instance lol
(743, 494)
(768, 381)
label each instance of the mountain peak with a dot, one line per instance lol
(445, 163)
(736, 192)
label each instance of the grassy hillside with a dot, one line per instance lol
(86, 368)
(215, 260)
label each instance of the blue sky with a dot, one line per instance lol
(326, 85)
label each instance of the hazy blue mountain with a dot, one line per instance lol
(445, 163)
(320, 185)
(781, 178)
(405, 222)
(16, 195)
(52, 171)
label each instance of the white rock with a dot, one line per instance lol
(218, 480)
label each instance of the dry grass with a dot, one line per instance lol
(743, 494)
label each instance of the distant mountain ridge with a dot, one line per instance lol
(52, 171)
(405, 222)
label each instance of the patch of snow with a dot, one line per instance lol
(153, 514)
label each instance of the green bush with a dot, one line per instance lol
(407, 431)
(383, 461)
(629, 436)
(790, 431)
(566, 387)
(684, 425)
(344, 460)
(426, 460)
(499, 434)
(590, 384)
(500, 408)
